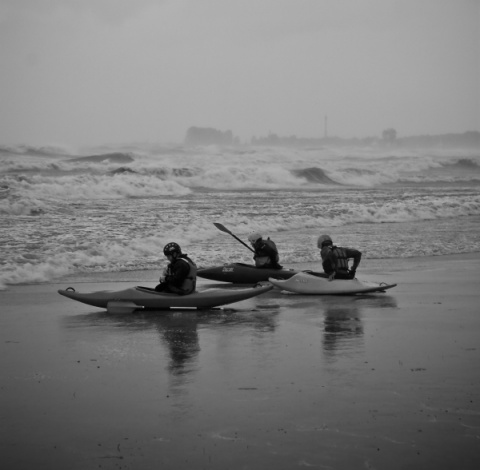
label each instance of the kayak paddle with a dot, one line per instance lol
(224, 229)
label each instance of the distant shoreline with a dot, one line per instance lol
(388, 138)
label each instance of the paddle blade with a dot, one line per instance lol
(222, 228)
(225, 229)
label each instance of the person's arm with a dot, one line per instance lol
(329, 263)
(356, 256)
(333, 264)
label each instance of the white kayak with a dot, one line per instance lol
(309, 283)
(138, 298)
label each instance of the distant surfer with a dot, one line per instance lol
(266, 253)
(335, 259)
(180, 276)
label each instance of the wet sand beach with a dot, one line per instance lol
(384, 381)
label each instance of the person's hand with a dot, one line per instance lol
(352, 273)
(164, 275)
(332, 276)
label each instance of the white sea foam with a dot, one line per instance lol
(256, 168)
(115, 209)
(74, 187)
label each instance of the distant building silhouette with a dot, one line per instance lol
(208, 136)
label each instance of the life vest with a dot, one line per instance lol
(341, 257)
(190, 282)
(334, 256)
(261, 255)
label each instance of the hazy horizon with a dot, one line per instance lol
(96, 71)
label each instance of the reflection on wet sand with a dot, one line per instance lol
(178, 331)
(343, 330)
(180, 336)
(341, 320)
(342, 324)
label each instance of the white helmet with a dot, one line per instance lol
(254, 236)
(324, 240)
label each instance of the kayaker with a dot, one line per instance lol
(266, 253)
(180, 276)
(335, 259)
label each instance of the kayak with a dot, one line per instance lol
(240, 273)
(309, 283)
(146, 298)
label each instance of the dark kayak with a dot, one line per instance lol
(240, 273)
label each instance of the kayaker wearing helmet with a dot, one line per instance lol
(266, 253)
(335, 259)
(180, 276)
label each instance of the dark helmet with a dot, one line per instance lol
(171, 248)
(324, 240)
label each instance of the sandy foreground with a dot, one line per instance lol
(384, 381)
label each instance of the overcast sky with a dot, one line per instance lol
(107, 71)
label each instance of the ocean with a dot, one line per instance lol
(112, 208)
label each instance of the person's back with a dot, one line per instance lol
(335, 259)
(266, 252)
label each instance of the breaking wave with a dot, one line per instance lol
(111, 209)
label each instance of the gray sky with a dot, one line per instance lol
(98, 71)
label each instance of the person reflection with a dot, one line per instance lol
(180, 335)
(343, 329)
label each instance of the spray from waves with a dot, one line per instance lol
(242, 178)
(31, 273)
(40, 151)
(36, 192)
(244, 169)
(409, 208)
(364, 178)
(63, 259)
(114, 157)
(466, 163)
(11, 166)
(90, 251)
(98, 237)
(25, 206)
(314, 175)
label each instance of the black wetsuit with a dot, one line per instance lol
(266, 254)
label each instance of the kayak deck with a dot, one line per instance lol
(146, 298)
(240, 273)
(309, 283)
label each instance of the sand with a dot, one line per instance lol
(385, 381)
